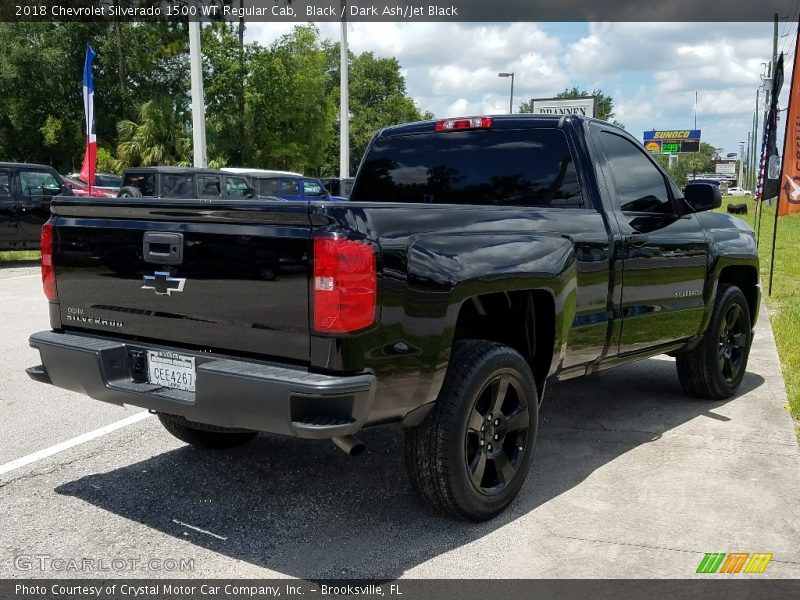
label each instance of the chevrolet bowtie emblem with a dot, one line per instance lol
(163, 284)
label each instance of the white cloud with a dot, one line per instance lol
(651, 69)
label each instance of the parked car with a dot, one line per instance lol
(478, 258)
(183, 183)
(246, 170)
(268, 185)
(737, 191)
(25, 194)
(106, 185)
(338, 187)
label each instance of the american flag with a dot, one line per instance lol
(762, 166)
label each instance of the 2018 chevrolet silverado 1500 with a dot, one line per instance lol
(478, 258)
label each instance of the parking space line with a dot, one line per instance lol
(19, 277)
(76, 441)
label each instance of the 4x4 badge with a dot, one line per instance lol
(163, 283)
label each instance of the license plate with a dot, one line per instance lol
(171, 370)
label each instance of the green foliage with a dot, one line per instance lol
(784, 310)
(274, 107)
(286, 109)
(689, 164)
(224, 80)
(106, 163)
(51, 131)
(161, 136)
(378, 99)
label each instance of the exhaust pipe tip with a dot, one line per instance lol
(349, 445)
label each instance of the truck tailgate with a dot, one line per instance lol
(240, 282)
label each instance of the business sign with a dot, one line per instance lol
(672, 141)
(725, 168)
(584, 106)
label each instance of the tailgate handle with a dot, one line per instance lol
(163, 248)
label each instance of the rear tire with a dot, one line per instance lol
(129, 192)
(470, 456)
(716, 367)
(205, 436)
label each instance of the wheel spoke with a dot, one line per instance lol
(733, 367)
(726, 368)
(505, 470)
(475, 421)
(477, 468)
(739, 340)
(518, 420)
(499, 391)
(733, 317)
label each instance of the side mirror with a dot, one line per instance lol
(702, 196)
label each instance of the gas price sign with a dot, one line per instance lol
(672, 141)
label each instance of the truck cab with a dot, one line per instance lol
(26, 191)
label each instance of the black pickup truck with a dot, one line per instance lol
(26, 191)
(477, 259)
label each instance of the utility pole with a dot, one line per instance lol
(751, 142)
(740, 179)
(344, 102)
(198, 102)
(754, 151)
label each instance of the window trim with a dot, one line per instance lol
(200, 188)
(22, 193)
(248, 187)
(11, 177)
(614, 196)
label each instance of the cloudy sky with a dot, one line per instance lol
(652, 70)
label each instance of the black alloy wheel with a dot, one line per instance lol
(497, 434)
(732, 343)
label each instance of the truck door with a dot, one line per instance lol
(664, 251)
(8, 208)
(37, 187)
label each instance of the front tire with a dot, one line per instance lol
(471, 455)
(205, 436)
(716, 367)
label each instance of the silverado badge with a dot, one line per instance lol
(163, 284)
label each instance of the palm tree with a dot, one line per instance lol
(161, 137)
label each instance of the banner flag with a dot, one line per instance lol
(90, 154)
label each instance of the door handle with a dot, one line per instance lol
(636, 239)
(163, 248)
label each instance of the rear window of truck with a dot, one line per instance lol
(518, 167)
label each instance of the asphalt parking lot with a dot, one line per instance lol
(632, 479)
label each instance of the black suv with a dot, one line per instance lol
(25, 194)
(183, 182)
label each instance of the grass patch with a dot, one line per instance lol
(14, 255)
(784, 309)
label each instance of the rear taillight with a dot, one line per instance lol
(463, 123)
(48, 273)
(345, 285)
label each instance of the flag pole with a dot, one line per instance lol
(778, 197)
(89, 129)
(774, 238)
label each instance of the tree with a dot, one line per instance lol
(377, 99)
(690, 163)
(604, 104)
(161, 137)
(225, 76)
(287, 112)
